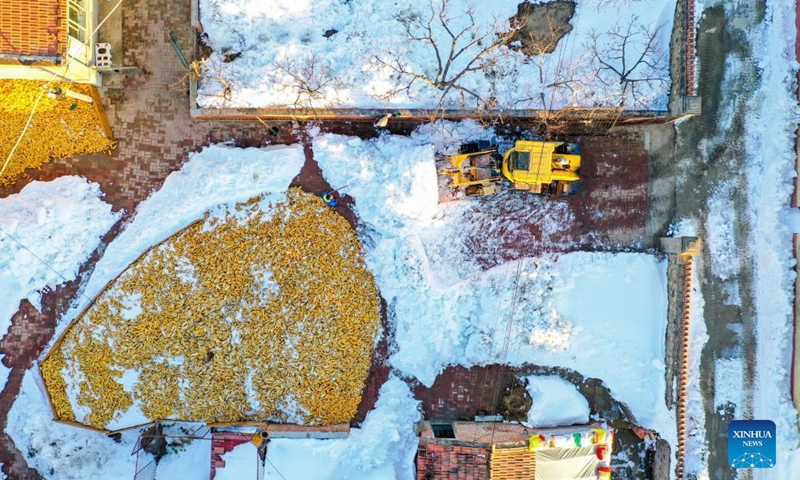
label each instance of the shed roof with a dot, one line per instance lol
(452, 462)
(33, 28)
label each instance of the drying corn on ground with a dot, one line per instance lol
(264, 312)
(60, 128)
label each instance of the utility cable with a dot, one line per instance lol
(506, 341)
(43, 262)
(275, 468)
(496, 321)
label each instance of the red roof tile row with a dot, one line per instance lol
(449, 462)
(33, 27)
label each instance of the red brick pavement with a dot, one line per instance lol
(378, 371)
(30, 331)
(611, 207)
(608, 212)
(460, 393)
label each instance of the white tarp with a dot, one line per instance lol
(574, 463)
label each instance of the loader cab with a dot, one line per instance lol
(542, 167)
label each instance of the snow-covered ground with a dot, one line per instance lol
(769, 144)
(55, 227)
(241, 462)
(382, 449)
(63, 452)
(603, 315)
(192, 462)
(368, 55)
(771, 120)
(556, 403)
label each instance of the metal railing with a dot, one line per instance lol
(77, 19)
(146, 464)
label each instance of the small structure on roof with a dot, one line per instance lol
(481, 450)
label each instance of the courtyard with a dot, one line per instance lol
(196, 277)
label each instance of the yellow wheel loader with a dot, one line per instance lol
(537, 166)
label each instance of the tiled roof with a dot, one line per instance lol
(462, 462)
(452, 462)
(33, 27)
(513, 463)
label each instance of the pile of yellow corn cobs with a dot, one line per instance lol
(267, 312)
(56, 131)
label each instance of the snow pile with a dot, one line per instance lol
(361, 53)
(682, 227)
(61, 222)
(556, 403)
(63, 452)
(409, 191)
(729, 384)
(603, 315)
(770, 140)
(382, 449)
(240, 463)
(722, 239)
(214, 179)
(446, 136)
(192, 462)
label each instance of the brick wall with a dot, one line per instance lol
(690, 48)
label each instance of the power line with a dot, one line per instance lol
(496, 321)
(274, 468)
(43, 262)
(45, 88)
(506, 341)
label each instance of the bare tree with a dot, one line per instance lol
(557, 76)
(628, 60)
(459, 45)
(312, 79)
(211, 69)
(603, 5)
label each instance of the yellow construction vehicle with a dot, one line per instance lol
(536, 166)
